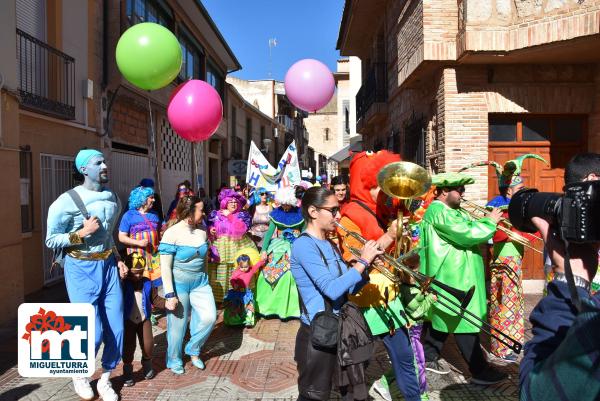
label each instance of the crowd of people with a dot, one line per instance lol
(309, 252)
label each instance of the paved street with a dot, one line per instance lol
(241, 364)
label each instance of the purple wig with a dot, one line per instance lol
(229, 194)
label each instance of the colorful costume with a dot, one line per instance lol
(260, 219)
(183, 252)
(239, 306)
(276, 292)
(379, 299)
(507, 306)
(90, 265)
(231, 236)
(450, 252)
(417, 305)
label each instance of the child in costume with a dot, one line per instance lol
(239, 308)
(139, 295)
(507, 306)
(276, 291)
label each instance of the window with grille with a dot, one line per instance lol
(248, 135)
(191, 66)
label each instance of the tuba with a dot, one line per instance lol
(406, 181)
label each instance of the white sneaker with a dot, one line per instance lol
(82, 388)
(106, 391)
(382, 390)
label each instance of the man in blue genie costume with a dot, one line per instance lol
(91, 265)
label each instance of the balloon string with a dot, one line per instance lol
(153, 138)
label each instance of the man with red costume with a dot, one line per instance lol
(369, 212)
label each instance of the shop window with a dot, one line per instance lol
(536, 129)
(502, 129)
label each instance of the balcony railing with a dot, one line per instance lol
(286, 121)
(373, 90)
(46, 77)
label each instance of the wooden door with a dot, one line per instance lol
(556, 138)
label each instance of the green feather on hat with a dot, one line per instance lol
(510, 174)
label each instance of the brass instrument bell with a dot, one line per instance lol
(404, 180)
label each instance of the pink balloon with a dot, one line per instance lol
(195, 110)
(309, 85)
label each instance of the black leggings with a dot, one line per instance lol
(468, 344)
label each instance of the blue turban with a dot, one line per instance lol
(84, 156)
(138, 197)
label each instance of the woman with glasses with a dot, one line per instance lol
(323, 276)
(276, 292)
(228, 229)
(260, 210)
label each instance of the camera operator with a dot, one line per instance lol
(562, 359)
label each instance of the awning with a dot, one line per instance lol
(346, 152)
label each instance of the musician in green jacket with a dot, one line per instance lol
(450, 241)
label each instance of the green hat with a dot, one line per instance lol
(451, 180)
(510, 174)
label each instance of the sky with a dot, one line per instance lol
(303, 29)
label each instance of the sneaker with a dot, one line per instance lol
(148, 370)
(197, 362)
(106, 391)
(381, 387)
(436, 367)
(128, 376)
(489, 376)
(82, 388)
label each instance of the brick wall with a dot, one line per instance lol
(129, 122)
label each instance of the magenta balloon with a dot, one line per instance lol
(309, 84)
(195, 110)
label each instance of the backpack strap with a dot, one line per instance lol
(79, 203)
(380, 223)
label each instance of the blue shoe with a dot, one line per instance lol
(198, 363)
(178, 370)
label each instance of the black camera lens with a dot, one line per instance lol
(528, 203)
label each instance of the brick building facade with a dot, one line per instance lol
(449, 83)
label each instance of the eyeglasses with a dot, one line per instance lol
(263, 194)
(183, 189)
(333, 210)
(460, 190)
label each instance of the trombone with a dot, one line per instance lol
(425, 282)
(506, 228)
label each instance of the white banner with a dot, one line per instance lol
(260, 173)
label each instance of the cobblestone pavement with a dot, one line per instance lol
(241, 364)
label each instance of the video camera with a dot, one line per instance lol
(576, 213)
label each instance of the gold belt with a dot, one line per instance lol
(90, 255)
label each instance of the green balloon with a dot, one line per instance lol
(149, 56)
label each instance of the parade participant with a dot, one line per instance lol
(506, 304)
(138, 297)
(239, 306)
(261, 209)
(276, 292)
(183, 189)
(157, 206)
(183, 250)
(339, 184)
(228, 228)
(450, 252)
(323, 279)
(81, 223)
(368, 213)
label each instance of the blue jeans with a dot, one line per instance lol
(403, 361)
(97, 282)
(195, 298)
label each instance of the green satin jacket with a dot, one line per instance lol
(450, 251)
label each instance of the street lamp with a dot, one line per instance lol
(266, 144)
